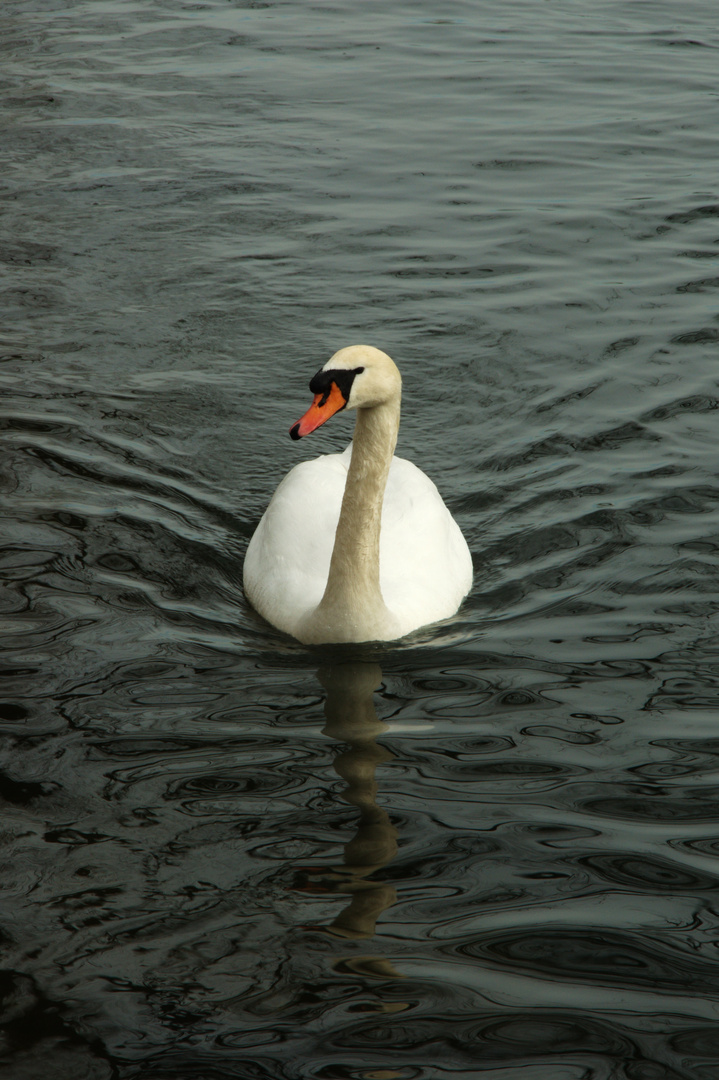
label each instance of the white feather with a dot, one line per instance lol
(425, 568)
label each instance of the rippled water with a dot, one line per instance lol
(490, 850)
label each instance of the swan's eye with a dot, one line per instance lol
(321, 383)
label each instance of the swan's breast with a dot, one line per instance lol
(288, 558)
(425, 564)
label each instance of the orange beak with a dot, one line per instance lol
(323, 406)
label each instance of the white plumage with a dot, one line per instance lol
(425, 568)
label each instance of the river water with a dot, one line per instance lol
(492, 849)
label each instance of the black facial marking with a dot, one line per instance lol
(322, 382)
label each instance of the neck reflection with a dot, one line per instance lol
(352, 719)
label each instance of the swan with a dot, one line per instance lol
(357, 546)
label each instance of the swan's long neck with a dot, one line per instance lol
(352, 604)
(355, 559)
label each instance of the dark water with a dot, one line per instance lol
(491, 850)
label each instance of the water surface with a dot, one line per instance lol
(491, 849)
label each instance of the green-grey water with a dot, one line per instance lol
(487, 851)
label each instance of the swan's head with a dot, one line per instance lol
(359, 377)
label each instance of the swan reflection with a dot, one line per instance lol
(351, 719)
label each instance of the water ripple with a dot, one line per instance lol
(502, 861)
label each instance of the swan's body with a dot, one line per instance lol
(356, 546)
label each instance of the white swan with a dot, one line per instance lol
(356, 546)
